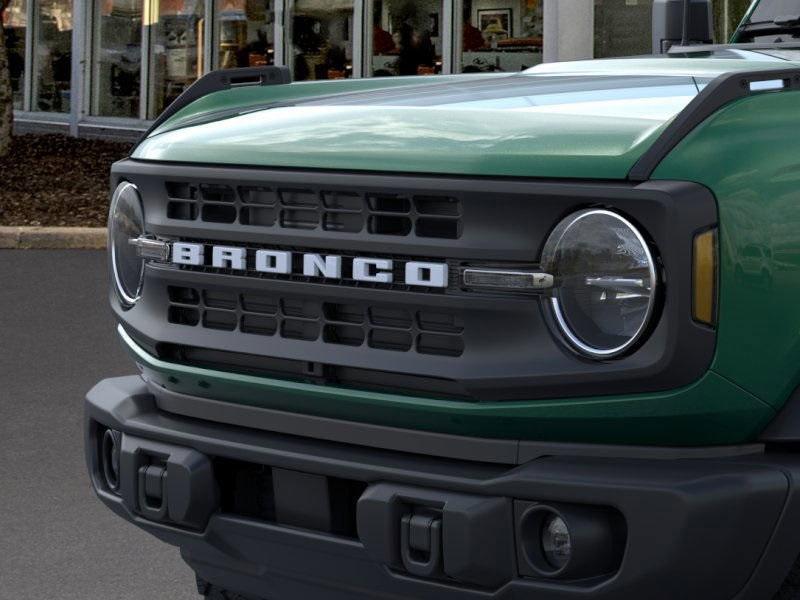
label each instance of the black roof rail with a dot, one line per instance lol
(223, 79)
(677, 50)
(721, 91)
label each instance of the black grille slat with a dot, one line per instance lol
(338, 211)
(352, 324)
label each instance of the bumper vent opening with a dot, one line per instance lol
(249, 491)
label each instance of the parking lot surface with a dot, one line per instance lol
(57, 542)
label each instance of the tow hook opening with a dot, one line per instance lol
(152, 491)
(163, 483)
(421, 543)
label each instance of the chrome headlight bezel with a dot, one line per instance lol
(128, 294)
(555, 304)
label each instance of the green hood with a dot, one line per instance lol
(590, 119)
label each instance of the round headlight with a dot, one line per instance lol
(126, 222)
(604, 281)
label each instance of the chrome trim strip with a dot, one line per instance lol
(148, 247)
(515, 280)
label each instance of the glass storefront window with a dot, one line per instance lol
(501, 35)
(406, 37)
(244, 32)
(623, 28)
(727, 16)
(117, 67)
(320, 39)
(53, 56)
(15, 23)
(176, 55)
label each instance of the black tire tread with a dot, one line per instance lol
(790, 590)
(212, 592)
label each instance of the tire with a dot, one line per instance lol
(212, 592)
(790, 590)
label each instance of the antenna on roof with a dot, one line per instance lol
(681, 22)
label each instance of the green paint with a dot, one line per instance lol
(549, 130)
(748, 154)
(245, 98)
(713, 411)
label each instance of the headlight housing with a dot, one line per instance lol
(605, 282)
(125, 223)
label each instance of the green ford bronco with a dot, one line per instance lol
(488, 336)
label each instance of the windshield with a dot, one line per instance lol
(772, 21)
(767, 11)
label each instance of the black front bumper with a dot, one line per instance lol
(283, 516)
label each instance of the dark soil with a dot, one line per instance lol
(55, 180)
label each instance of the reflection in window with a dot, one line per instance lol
(321, 39)
(406, 37)
(727, 16)
(53, 56)
(501, 36)
(245, 33)
(117, 67)
(176, 56)
(623, 28)
(14, 24)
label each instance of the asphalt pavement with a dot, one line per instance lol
(57, 541)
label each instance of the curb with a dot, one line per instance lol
(53, 238)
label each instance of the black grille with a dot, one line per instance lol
(382, 336)
(426, 216)
(432, 332)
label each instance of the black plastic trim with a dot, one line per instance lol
(707, 528)
(717, 94)
(485, 450)
(785, 427)
(218, 81)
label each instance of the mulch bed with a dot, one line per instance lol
(56, 180)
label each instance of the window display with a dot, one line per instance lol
(176, 54)
(245, 33)
(321, 39)
(406, 37)
(15, 23)
(727, 16)
(622, 27)
(501, 35)
(53, 56)
(117, 66)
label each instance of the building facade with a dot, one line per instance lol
(106, 67)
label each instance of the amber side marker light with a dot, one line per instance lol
(704, 277)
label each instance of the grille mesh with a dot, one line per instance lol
(347, 324)
(424, 216)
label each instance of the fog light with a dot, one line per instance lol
(556, 542)
(109, 458)
(568, 541)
